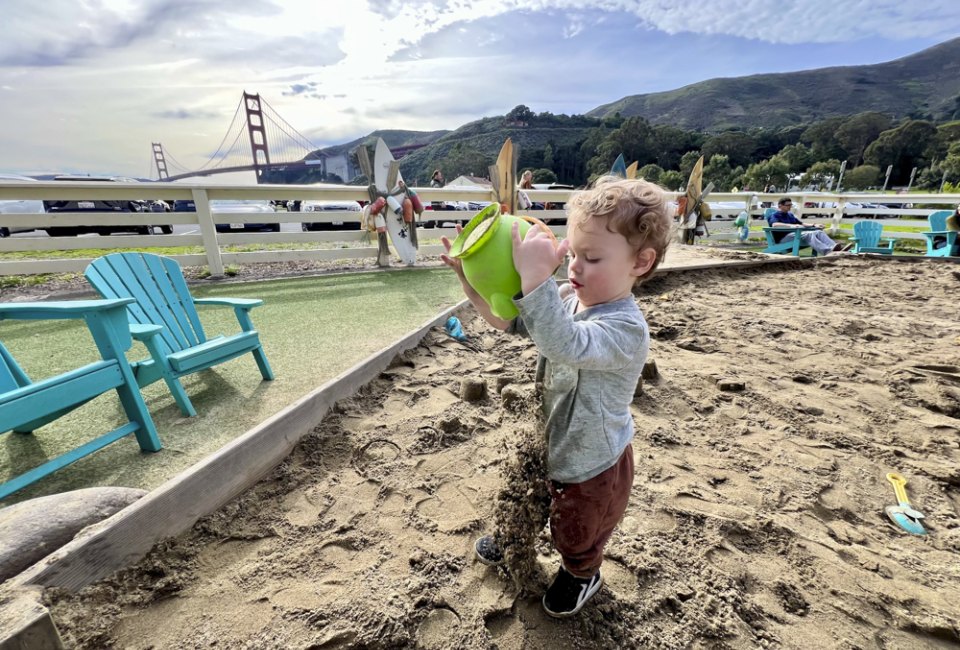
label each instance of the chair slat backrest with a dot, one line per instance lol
(768, 216)
(938, 220)
(868, 233)
(161, 294)
(12, 376)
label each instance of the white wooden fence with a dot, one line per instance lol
(357, 244)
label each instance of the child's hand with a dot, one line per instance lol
(452, 262)
(536, 256)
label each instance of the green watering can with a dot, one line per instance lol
(485, 248)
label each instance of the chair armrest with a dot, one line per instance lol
(59, 309)
(243, 303)
(144, 332)
(931, 233)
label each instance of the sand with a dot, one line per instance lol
(784, 396)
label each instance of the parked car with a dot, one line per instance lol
(99, 205)
(18, 206)
(233, 206)
(331, 206)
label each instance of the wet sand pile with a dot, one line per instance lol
(757, 519)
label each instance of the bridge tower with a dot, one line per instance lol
(258, 134)
(161, 162)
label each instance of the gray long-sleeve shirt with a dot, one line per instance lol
(589, 364)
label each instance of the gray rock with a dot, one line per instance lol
(33, 529)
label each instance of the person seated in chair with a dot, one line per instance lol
(815, 239)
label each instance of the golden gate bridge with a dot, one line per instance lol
(260, 140)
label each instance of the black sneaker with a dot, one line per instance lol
(568, 593)
(488, 551)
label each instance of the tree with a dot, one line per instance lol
(772, 171)
(820, 173)
(687, 161)
(797, 156)
(650, 172)
(904, 147)
(463, 159)
(822, 139)
(520, 113)
(737, 146)
(543, 175)
(669, 143)
(859, 131)
(929, 178)
(548, 156)
(672, 179)
(862, 177)
(951, 163)
(719, 172)
(633, 139)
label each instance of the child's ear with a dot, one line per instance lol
(643, 262)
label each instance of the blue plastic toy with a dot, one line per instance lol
(455, 329)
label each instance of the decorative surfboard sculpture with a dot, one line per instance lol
(398, 229)
(372, 218)
(691, 208)
(619, 167)
(504, 173)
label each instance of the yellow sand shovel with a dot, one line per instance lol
(904, 515)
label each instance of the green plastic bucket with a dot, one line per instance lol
(485, 248)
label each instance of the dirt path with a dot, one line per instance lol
(756, 519)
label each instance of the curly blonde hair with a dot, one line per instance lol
(636, 209)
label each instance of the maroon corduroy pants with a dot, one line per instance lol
(583, 515)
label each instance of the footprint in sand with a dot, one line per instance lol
(692, 503)
(436, 630)
(448, 508)
(506, 631)
(620, 580)
(655, 522)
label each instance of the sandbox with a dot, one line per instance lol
(784, 396)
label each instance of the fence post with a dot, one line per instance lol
(209, 232)
(838, 216)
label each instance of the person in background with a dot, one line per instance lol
(815, 239)
(593, 341)
(523, 200)
(437, 181)
(526, 180)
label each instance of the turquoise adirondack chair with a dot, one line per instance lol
(866, 238)
(775, 236)
(165, 319)
(26, 406)
(940, 241)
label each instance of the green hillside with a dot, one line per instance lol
(922, 85)
(393, 137)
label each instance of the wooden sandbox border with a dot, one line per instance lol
(177, 504)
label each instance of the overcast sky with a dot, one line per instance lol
(87, 85)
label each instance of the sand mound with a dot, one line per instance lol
(756, 518)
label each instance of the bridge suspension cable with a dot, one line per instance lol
(255, 118)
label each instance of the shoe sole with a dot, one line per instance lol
(590, 594)
(484, 561)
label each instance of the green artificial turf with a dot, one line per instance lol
(312, 329)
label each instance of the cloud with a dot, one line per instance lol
(104, 78)
(186, 114)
